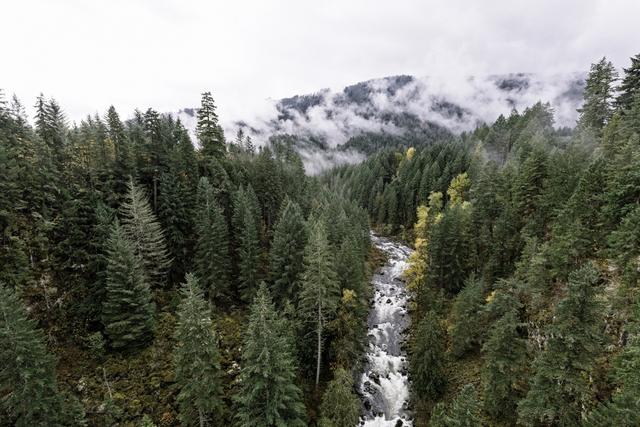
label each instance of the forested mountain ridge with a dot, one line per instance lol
(333, 127)
(144, 281)
(526, 263)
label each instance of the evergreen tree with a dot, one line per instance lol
(465, 411)
(598, 96)
(197, 359)
(630, 85)
(127, 311)
(559, 391)
(212, 245)
(174, 214)
(208, 130)
(268, 394)
(505, 353)
(245, 222)
(427, 357)
(467, 330)
(319, 290)
(27, 371)
(340, 405)
(287, 249)
(143, 230)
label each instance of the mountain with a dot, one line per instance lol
(328, 125)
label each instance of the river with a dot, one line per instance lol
(384, 385)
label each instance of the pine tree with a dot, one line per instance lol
(197, 359)
(268, 394)
(287, 249)
(27, 371)
(208, 130)
(559, 391)
(468, 326)
(598, 96)
(340, 405)
(505, 353)
(319, 288)
(212, 245)
(127, 311)
(630, 85)
(245, 223)
(144, 231)
(464, 411)
(427, 357)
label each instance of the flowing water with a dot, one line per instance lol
(384, 384)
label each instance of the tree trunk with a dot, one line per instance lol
(201, 416)
(319, 329)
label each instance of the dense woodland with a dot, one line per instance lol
(148, 282)
(526, 264)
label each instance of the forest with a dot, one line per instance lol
(148, 279)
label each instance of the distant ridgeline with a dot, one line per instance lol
(526, 267)
(330, 127)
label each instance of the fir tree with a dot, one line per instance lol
(245, 222)
(465, 411)
(559, 391)
(127, 311)
(630, 85)
(27, 371)
(208, 130)
(319, 289)
(144, 231)
(598, 96)
(268, 394)
(174, 214)
(467, 328)
(287, 249)
(197, 359)
(340, 405)
(212, 244)
(427, 358)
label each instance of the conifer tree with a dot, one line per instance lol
(143, 230)
(208, 130)
(174, 214)
(319, 289)
(464, 411)
(127, 311)
(340, 405)
(467, 318)
(505, 354)
(27, 371)
(268, 394)
(287, 249)
(630, 85)
(559, 391)
(427, 357)
(197, 359)
(212, 244)
(598, 96)
(246, 231)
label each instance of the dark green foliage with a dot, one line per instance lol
(340, 405)
(559, 391)
(468, 326)
(268, 394)
(464, 411)
(212, 244)
(630, 85)
(287, 250)
(27, 373)
(246, 233)
(127, 311)
(625, 246)
(598, 96)
(427, 357)
(319, 289)
(208, 130)
(197, 359)
(143, 230)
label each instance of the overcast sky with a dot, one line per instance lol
(89, 54)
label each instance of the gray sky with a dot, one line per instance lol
(89, 54)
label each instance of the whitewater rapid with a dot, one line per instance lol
(384, 385)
